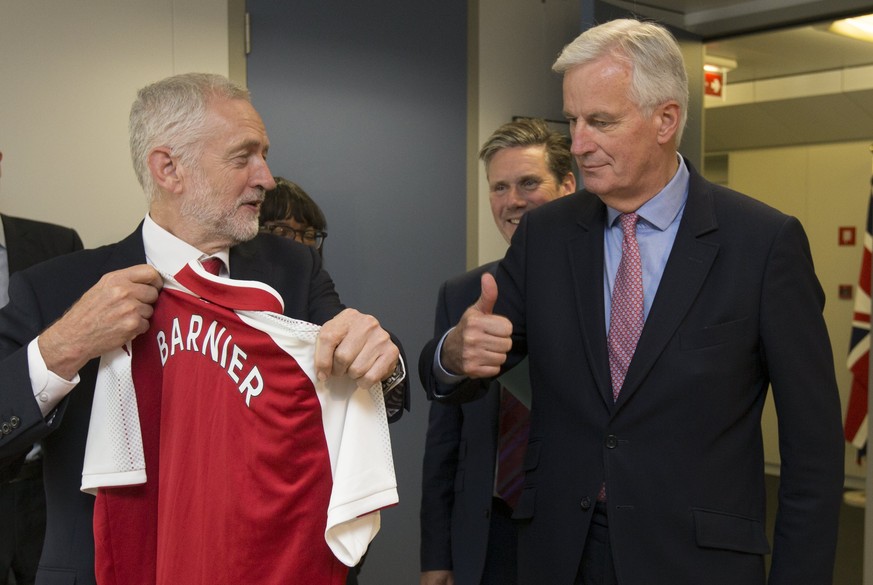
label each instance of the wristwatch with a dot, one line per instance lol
(391, 382)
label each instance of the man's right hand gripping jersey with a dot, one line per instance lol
(257, 472)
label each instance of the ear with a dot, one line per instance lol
(164, 168)
(568, 185)
(667, 120)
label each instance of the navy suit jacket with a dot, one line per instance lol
(39, 296)
(459, 458)
(681, 450)
(29, 242)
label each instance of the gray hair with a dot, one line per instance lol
(531, 132)
(172, 113)
(658, 70)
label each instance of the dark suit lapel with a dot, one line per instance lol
(690, 261)
(128, 252)
(586, 259)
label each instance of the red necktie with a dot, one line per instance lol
(626, 316)
(212, 265)
(514, 427)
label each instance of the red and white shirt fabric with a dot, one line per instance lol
(256, 471)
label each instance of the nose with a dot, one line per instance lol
(263, 177)
(581, 142)
(515, 197)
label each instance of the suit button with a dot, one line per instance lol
(585, 504)
(6, 428)
(611, 442)
(15, 421)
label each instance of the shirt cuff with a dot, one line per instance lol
(48, 388)
(442, 375)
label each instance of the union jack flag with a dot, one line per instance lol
(859, 348)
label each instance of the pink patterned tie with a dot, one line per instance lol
(626, 317)
(212, 265)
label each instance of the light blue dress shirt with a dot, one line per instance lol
(656, 232)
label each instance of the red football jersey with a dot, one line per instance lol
(239, 469)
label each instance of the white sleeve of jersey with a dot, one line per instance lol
(113, 452)
(357, 436)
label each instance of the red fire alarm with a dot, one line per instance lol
(847, 236)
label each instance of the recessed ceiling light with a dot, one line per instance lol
(859, 27)
(717, 64)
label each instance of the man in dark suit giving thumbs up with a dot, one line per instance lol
(656, 310)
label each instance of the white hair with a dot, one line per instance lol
(658, 70)
(172, 113)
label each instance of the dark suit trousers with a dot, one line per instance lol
(24, 529)
(597, 566)
(501, 561)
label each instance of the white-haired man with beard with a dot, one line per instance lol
(199, 151)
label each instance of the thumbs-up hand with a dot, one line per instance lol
(478, 344)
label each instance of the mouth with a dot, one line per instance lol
(590, 166)
(254, 204)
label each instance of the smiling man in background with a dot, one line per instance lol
(467, 537)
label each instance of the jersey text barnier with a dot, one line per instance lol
(214, 344)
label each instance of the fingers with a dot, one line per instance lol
(143, 274)
(109, 314)
(120, 305)
(488, 297)
(478, 345)
(355, 345)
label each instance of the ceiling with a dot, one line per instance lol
(793, 51)
(712, 19)
(771, 39)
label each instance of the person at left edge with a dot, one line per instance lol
(23, 243)
(199, 151)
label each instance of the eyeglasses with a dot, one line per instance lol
(308, 236)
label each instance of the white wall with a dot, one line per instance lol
(70, 71)
(518, 40)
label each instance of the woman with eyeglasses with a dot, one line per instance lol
(289, 212)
